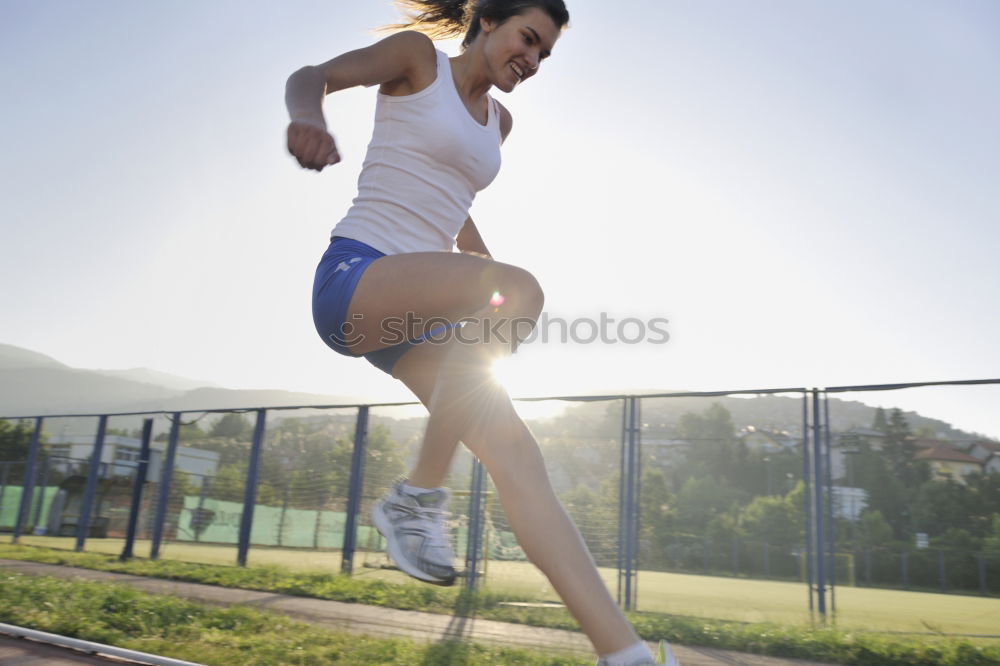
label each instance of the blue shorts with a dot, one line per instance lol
(336, 279)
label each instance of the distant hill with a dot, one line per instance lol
(35, 384)
(18, 357)
(769, 412)
(222, 398)
(53, 390)
(164, 379)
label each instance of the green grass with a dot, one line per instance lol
(709, 597)
(836, 645)
(124, 617)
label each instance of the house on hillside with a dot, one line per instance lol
(665, 452)
(857, 436)
(767, 441)
(933, 443)
(992, 464)
(120, 456)
(950, 464)
(983, 449)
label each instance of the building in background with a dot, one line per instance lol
(121, 455)
(950, 464)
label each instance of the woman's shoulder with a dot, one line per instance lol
(416, 46)
(419, 53)
(411, 39)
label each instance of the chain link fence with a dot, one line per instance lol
(717, 484)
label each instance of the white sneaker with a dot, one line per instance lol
(413, 527)
(664, 657)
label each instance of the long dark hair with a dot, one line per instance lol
(442, 19)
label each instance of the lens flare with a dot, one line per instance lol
(497, 299)
(500, 370)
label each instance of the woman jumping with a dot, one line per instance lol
(390, 287)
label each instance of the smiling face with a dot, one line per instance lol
(515, 48)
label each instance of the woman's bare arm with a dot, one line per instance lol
(396, 61)
(470, 242)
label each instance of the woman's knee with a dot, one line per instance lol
(522, 293)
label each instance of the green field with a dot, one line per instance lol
(679, 594)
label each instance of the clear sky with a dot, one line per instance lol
(807, 191)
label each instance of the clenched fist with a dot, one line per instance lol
(311, 145)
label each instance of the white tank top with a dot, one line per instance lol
(427, 159)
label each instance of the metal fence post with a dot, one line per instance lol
(354, 490)
(622, 457)
(818, 507)
(28, 485)
(831, 531)
(627, 528)
(4, 472)
(637, 505)
(83, 523)
(202, 493)
(138, 486)
(250, 491)
(41, 495)
(629, 498)
(284, 516)
(474, 534)
(806, 501)
(166, 478)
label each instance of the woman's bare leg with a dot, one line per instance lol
(453, 380)
(468, 401)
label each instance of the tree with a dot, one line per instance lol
(715, 450)
(940, 506)
(656, 512)
(232, 425)
(595, 512)
(384, 462)
(15, 440)
(775, 520)
(873, 530)
(900, 452)
(702, 499)
(991, 544)
(986, 490)
(886, 494)
(186, 433)
(955, 538)
(880, 422)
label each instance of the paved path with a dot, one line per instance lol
(21, 652)
(388, 622)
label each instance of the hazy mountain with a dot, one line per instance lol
(768, 412)
(222, 398)
(164, 379)
(35, 384)
(18, 357)
(41, 390)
